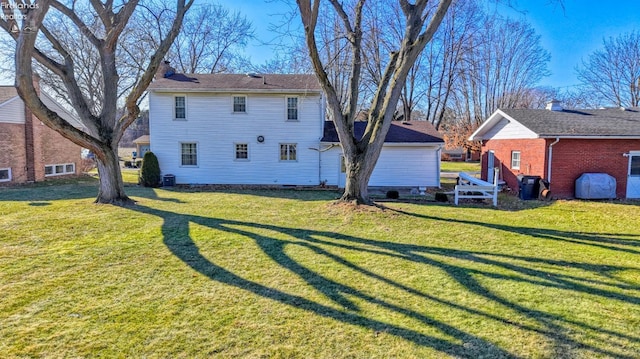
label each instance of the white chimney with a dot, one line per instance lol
(554, 105)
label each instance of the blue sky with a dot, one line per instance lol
(569, 34)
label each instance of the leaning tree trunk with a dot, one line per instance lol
(111, 188)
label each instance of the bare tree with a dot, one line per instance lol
(211, 40)
(102, 127)
(361, 154)
(613, 73)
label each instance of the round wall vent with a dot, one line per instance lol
(260, 139)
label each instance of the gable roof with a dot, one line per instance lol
(399, 132)
(598, 123)
(237, 83)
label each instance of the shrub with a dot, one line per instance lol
(393, 194)
(150, 172)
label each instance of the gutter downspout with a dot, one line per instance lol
(550, 159)
(438, 161)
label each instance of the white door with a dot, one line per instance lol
(490, 164)
(633, 177)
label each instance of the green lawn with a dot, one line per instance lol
(452, 166)
(285, 274)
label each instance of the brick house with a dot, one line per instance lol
(29, 150)
(560, 145)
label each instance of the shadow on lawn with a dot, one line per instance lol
(555, 328)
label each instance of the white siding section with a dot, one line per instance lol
(401, 166)
(212, 124)
(12, 111)
(506, 129)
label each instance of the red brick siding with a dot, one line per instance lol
(52, 148)
(572, 158)
(12, 152)
(532, 158)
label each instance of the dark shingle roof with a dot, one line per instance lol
(237, 82)
(399, 132)
(601, 122)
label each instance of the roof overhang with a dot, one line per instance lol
(583, 137)
(401, 144)
(494, 119)
(232, 91)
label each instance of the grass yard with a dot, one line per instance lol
(453, 166)
(284, 274)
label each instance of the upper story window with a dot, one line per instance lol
(180, 108)
(5, 174)
(239, 104)
(292, 109)
(189, 152)
(242, 151)
(288, 152)
(515, 160)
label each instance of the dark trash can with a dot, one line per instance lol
(529, 187)
(168, 180)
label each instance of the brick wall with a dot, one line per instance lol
(571, 158)
(51, 148)
(532, 158)
(12, 154)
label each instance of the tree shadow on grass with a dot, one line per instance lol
(555, 328)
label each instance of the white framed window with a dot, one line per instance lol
(189, 154)
(292, 109)
(288, 152)
(59, 169)
(242, 151)
(180, 108)
(515, 160)
(239, 104)
(5, 174)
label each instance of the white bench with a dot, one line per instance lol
(471, 187)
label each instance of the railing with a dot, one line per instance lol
(471, 187)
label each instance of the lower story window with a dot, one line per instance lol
(242, 151)
(189, 154)
(288, 152)
(60, 169)
(515, 160)
(5, 174)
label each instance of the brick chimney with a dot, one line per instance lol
(164, 70)
(554, 105)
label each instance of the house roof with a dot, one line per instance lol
(7, 93)
(237, 82)
(142, 139)
(597, 123)
(399, 132)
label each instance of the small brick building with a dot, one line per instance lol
(29, 150)
(560, 145)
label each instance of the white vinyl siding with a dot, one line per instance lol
(217, 135)
(506, 129)
(398, 165)
(5, 174)
(59, 169)
(12, 111)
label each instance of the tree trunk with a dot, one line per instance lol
(111, 185)
(359, 167)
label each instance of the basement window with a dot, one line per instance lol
(60, 169)
(5, 174)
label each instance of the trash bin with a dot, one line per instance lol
(529, 187)
(168, 180)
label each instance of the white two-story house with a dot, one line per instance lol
(269, 130)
